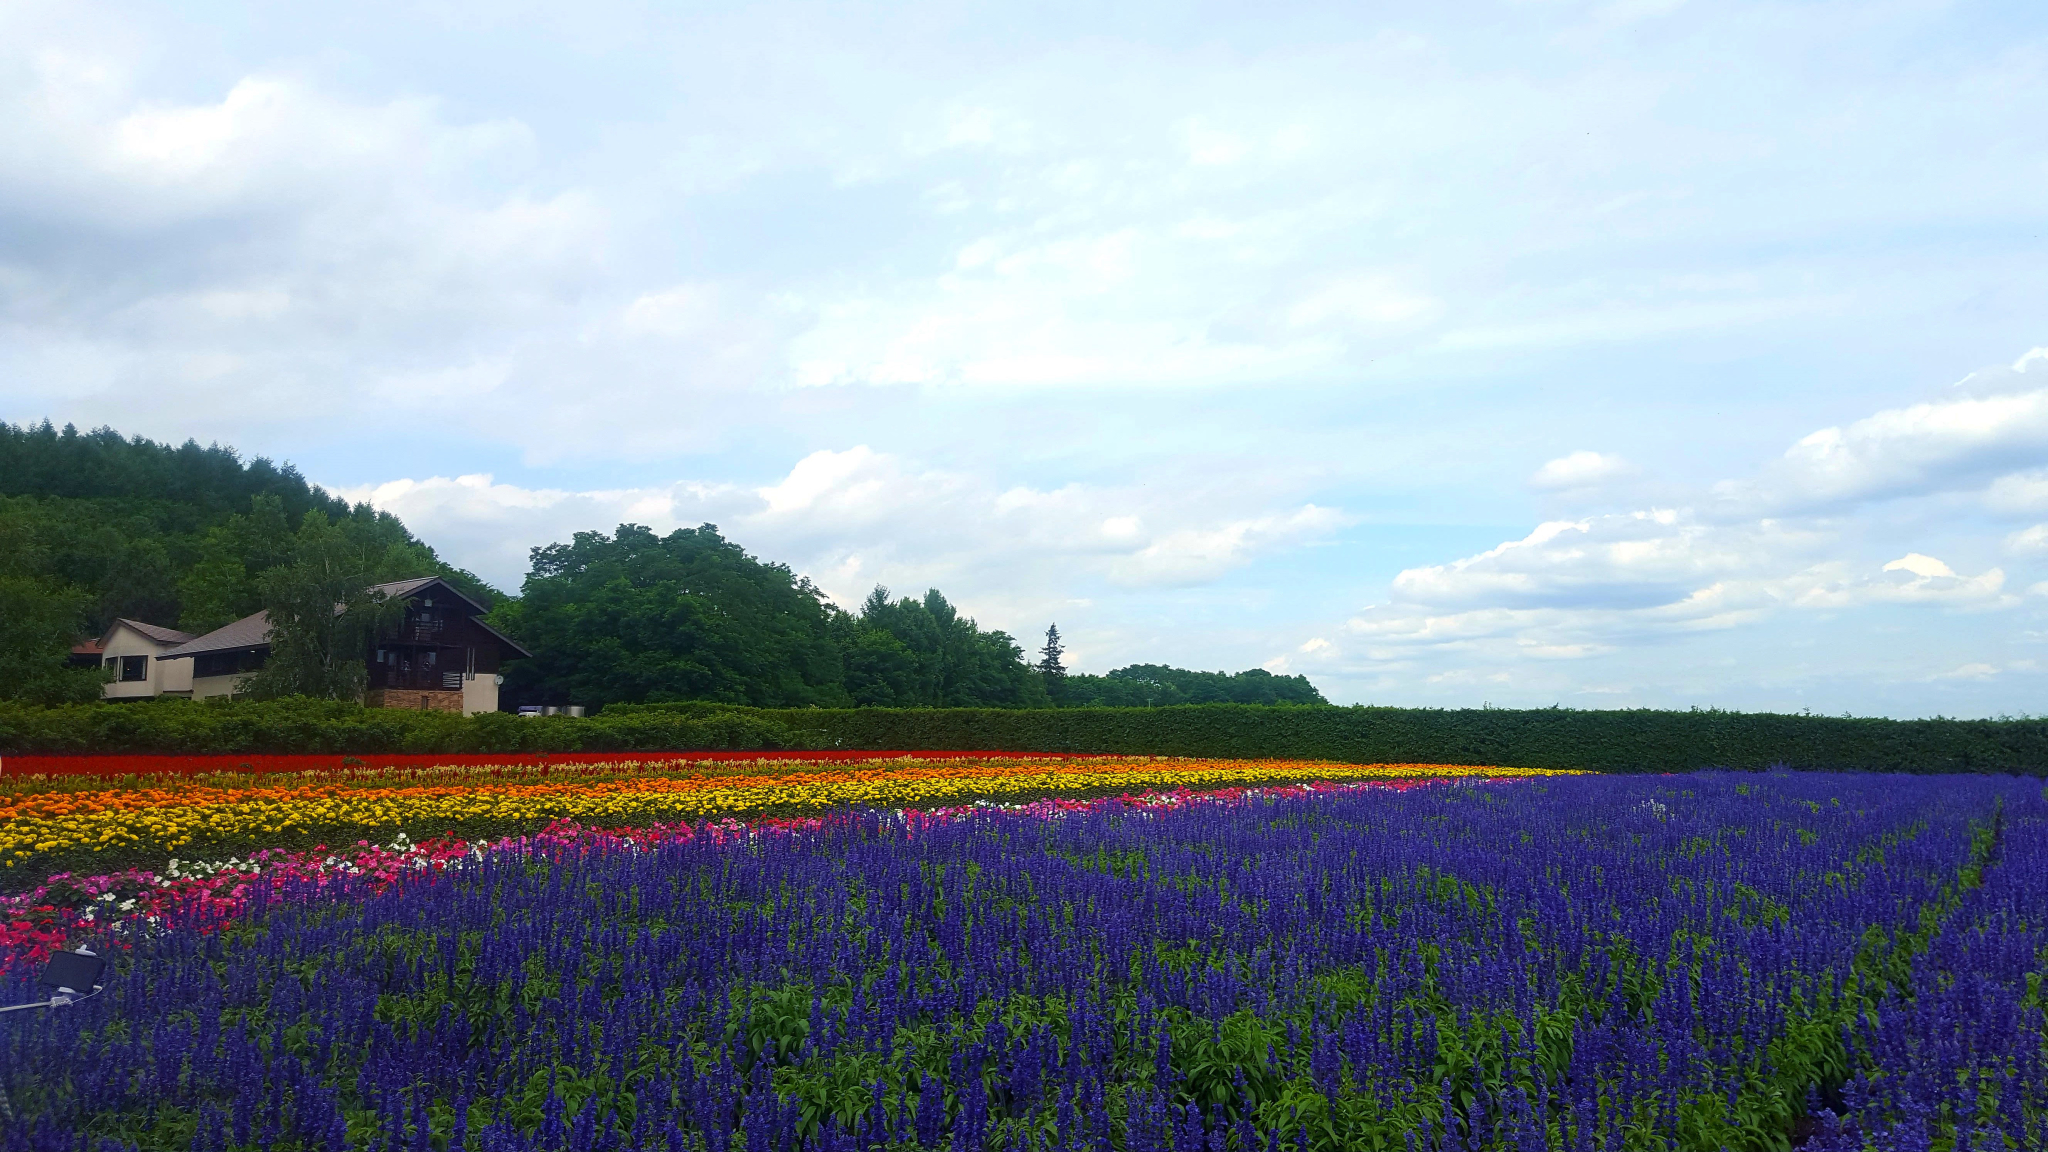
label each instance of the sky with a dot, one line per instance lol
(1610, 354)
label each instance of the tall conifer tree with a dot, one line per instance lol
(1049, 665)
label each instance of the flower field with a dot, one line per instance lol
(1265, 962)
(52, 823)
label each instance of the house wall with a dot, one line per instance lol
(480, 693)
(205, 686)
(173, 677)
(161, 677)
(415, 699)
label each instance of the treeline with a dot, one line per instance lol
(1637, 740)
(94, 527)
(1158, 686)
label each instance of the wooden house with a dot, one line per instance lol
(441, 658)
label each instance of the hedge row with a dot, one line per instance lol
(288, 726)
(1607, 741)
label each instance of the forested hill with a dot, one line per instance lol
(96, 526)
(196, 486)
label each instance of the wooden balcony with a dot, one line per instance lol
(421, 632)
(410, 675)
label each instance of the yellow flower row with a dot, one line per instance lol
(168, 819)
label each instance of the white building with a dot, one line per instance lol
(133, 651)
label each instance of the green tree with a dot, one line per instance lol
(636, 618)
(40, 619)
(1050, 669)
(956, 664)
(221, 587)
(323, 615)
(881, 671)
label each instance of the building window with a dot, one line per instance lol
(134, 668)
(228, 663)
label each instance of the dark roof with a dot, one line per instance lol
(254, 631)
(156, 632)
(248, 632)
(401, 589)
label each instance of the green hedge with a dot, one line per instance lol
(1608, 741)
(286, 726)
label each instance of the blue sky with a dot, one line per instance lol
(1597, 354)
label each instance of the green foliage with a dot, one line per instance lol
(912, 653)
(37, 623)
(300, 724)
(323, 615)
(221, 585)
(1156, 685)
(1636, 740)
(638, 618)
(688, 616)
(38, 619)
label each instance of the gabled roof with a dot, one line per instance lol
(402, 589)
(254, 631)
(248, 632)
(156, 632)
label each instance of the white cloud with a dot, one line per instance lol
(1199, 554)
(1925, 567)
(1582, 469)
(1927, 448)
(2021, 493)
(2028, 541)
